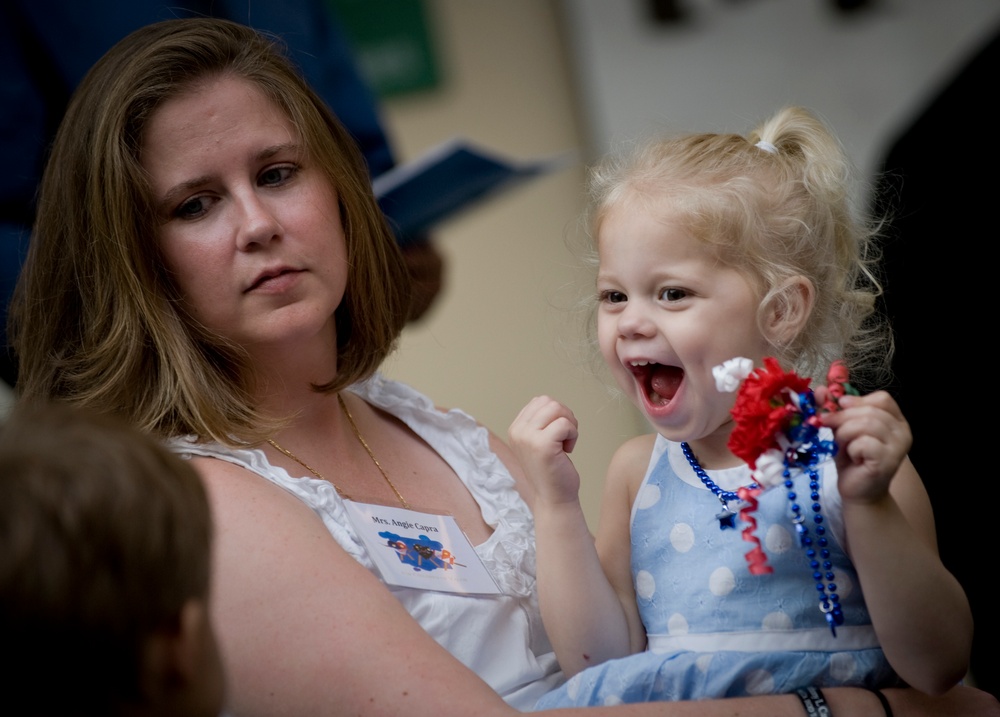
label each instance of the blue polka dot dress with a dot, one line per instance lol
(715, 630)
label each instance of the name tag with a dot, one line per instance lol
(420, 550)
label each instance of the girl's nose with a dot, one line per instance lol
(634, 321)
(259, 225)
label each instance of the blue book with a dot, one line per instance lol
(448, 179)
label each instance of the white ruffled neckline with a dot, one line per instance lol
(460, 441)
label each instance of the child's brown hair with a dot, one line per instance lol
(106, 537)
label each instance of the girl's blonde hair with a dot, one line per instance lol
(775, 204)
(97, 320)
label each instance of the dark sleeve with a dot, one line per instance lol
(939, 190)
(318, 45)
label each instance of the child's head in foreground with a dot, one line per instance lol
(104, 572)
(713, 246)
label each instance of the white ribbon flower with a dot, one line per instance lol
(729, 374)
(770, 468)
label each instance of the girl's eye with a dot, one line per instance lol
(612, 297)
(191, 209)
(672, 294)
(276, 175)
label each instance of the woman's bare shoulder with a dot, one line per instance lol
(292, 608)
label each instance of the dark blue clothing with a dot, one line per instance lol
(47, 46)
(936, 185)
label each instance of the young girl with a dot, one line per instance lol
(712, 247)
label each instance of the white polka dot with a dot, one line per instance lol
(573, 686)
(845, 586)
(648, 497)
(612, 700)
(776, 621)
(759, 682)
(842, 666)
(682, 537)
(645, 584)
(778, 539)
(677, 624)
(703, 662)
(721, 581)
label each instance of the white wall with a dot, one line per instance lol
(734, 63)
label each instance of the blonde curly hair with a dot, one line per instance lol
(774, 204)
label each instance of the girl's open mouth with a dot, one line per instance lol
(659, 382)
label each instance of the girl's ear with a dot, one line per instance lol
(788, 309)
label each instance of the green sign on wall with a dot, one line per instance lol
(392, 43)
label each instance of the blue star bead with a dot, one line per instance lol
(727, 519)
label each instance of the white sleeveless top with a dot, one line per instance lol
(500, 638)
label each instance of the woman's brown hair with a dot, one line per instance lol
(96, 319)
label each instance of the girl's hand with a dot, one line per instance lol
(542, 436)
(873, 437)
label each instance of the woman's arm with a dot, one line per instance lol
(918, 608)
(306, 630)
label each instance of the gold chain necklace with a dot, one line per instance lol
(357, 433)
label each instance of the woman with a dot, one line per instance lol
(210, 263)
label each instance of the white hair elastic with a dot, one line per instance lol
(767, 147)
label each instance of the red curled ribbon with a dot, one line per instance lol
(837, 386)
(756, 558)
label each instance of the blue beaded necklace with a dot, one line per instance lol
(727, 517)
(816, 549)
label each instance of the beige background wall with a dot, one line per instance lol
(502, 331)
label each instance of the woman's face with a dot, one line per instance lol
(248, 224)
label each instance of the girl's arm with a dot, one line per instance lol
(306, 630)
(918, 608)
(614, 533)
(580, 609)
